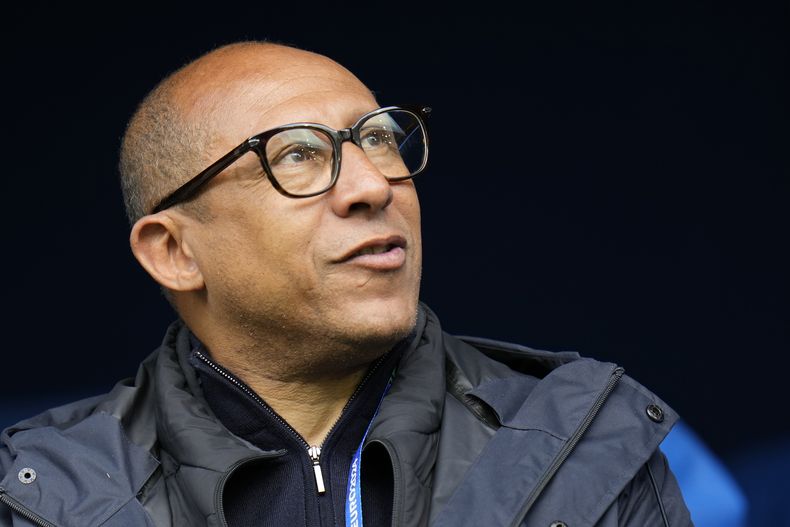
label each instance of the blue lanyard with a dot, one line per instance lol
(354, 489)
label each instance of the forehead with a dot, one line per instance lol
(260, 91)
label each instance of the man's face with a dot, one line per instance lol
(340, 270)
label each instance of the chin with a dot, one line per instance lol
(374, 328)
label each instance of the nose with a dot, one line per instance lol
(360, 187)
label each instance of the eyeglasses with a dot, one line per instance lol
(303, 159)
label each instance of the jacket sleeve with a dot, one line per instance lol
(653, 498)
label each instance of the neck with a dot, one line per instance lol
(311, 404)
(309, 407)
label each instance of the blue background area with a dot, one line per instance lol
(608, 178)
(712, 494)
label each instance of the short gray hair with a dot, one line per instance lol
(160, 150)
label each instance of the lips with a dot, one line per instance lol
(378, 254)
(375, 249)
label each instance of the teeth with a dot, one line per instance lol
(374, 250)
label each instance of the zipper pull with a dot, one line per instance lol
(315, 454)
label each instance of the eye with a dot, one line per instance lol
(373, 138)
(297, 154)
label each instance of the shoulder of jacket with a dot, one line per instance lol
(89, 461)
(504, 375)
(124, 402)
(61, 416)
(602, 423)
(115, 431)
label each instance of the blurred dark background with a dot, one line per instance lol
(608, 178)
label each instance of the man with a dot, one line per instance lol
(304, 383)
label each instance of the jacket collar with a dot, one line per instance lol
(186, 426)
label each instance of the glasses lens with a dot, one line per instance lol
(395, 142)
(301, 160)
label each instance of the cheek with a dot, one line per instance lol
(289, 252)
(257, 270)
(409, 206)
(281, 251)
(271, 228)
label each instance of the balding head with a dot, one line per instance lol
(167, 138)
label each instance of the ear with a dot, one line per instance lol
(158, 244)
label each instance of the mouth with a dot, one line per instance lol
(381, 254)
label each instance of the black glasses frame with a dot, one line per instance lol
(257, 143)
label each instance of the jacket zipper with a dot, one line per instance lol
(313, 452)
(315, 455)
(23, 511)
(616, 374)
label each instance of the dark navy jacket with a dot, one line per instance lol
(478, 433)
